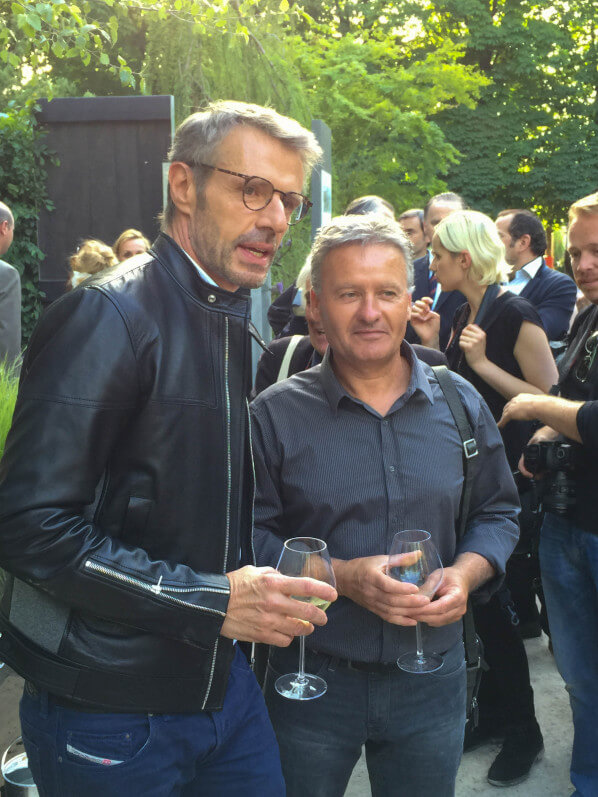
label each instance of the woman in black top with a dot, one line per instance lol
(498, 342)
(499, 345)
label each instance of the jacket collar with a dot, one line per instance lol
(176, 262)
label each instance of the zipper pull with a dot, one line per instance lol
(156, 588)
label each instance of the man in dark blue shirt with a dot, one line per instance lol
(352, 451)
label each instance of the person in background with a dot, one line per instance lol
(92, 257)
(412, 222)
(370, 204)
(568, 538)
(499, 345)
(552, 294)
(444, 301)
(10, 293)
(130, 243)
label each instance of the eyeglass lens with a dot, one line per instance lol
(258, 192)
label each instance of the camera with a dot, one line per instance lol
(554, 462)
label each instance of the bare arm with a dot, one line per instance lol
(559, 414)
(532, 353)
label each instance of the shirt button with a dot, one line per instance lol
(392, 469)
(211, 298)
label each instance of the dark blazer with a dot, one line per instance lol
(271, 360)
(446, 306)
(553, 295)
(10, 313)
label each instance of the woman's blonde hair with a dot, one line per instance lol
(90, 258)
(129, 235)
(474, 232)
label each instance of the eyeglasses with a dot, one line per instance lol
(585, 365)
(258, 193)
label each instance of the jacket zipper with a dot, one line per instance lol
(252, 658)
(158, 589)
(228, 494)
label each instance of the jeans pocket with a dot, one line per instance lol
(106, 749)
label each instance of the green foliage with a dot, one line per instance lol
(9, 383)
(532, 140)
(23, 155)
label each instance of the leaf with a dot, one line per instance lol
(104, 59)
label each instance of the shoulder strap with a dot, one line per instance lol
(470, 446)
(470, 452)
(288, 356)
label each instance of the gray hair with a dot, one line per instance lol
(6, 215)
(371, 228)
(200, 134)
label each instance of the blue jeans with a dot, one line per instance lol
(569, 566)
(213, 754)
(411, 725)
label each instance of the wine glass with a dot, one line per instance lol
(305, 557)
(413, 558)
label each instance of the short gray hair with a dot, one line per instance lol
(371, 228)
(199, 135)
(6, 215)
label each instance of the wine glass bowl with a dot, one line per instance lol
(414, 559)
(305, 557)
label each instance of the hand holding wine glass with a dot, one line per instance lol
(414, 559)
(304, 557)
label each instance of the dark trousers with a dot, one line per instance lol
(506, 697)
(224, 753)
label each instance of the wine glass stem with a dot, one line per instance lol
(301, 674)
(418, 641)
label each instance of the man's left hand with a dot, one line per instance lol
(520, 408)
(450, 603)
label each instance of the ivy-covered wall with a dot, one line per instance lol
(23, 156)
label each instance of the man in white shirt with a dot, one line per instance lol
(552, 293)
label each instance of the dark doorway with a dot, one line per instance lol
(109, 175)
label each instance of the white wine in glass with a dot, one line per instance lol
(304, 557)
(414, 559)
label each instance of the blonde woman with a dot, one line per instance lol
(498, 342)
(90, 258)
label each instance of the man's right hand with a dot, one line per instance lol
(365, 582)
(261, 609)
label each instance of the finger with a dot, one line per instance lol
(307, 588)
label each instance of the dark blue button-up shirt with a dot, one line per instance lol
(329, 466)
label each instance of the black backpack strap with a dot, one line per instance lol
(470, 454)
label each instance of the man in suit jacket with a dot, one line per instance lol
(552, 293)
(10, 293)
(425, 284)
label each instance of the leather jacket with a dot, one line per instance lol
(124, 490)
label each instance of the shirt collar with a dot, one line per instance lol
(202, 273)
(334, 391)
(529, 271)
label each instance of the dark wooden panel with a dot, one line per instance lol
(106, 109)
(109, 177)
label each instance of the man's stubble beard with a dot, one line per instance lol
(214, 258)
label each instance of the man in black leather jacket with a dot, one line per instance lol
(126, 490)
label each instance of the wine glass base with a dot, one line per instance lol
(411, 662)
(296, 687)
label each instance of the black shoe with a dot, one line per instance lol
(520, 751)
(483, 734)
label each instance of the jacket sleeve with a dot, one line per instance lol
(79, 391)
(556, 306)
